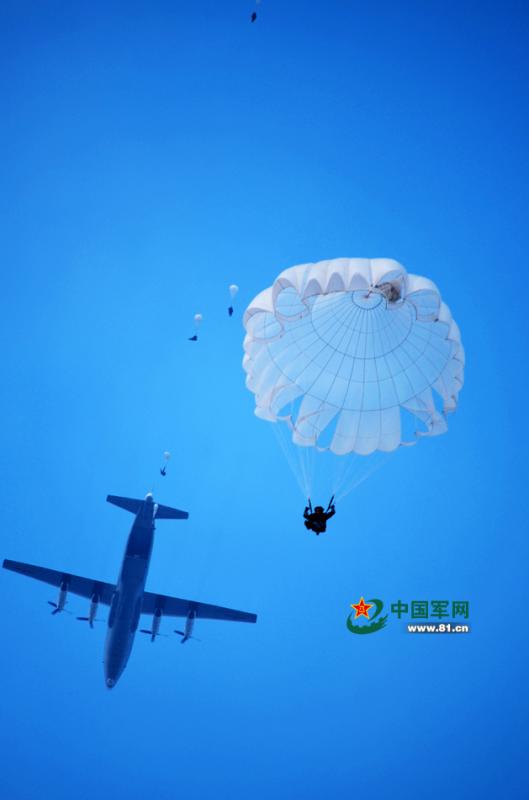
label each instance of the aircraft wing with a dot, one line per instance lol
(176, 607)
(84, 587)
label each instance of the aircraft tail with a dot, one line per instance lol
(128, 503)
(166, 512)
(133, 505)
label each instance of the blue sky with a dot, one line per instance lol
(153, 154)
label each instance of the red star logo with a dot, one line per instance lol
(361, 608)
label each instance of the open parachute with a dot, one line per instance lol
(354, 356)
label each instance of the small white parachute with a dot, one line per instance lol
(233, 289)
(166, 457)
(197, 319)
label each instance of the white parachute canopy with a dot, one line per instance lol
(167, 455)
(342, 351)
(197, 319)
(233, 289)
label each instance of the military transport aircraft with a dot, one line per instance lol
(128, 598)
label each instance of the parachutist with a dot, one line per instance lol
(253, 17)
(317, 520)
(193, 338)
(230, 311)
(163, 471)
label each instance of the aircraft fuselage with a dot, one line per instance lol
(126, 605)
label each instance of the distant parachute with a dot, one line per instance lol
(233, 289)
(197, 320)
(344, 353)
(163, 468)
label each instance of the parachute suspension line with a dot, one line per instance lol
(347, 470)
(356, 481)
(294, 465)
(304, 457)
(353, 469)
(306, 462)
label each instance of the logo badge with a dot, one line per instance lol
(362, 610)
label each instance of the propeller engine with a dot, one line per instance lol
(155, 625)
(92, 611)
(187, 633)
(61, 599)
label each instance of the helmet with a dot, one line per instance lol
(318, 509)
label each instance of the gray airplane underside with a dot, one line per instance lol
(127, 598)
